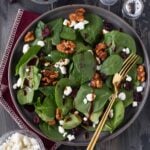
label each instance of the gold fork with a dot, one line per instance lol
(118, 77)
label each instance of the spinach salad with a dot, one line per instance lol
(66, 71)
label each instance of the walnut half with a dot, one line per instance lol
(29, 37)
(96, 81)
(49, 77)
(141, 73)
(67, 47)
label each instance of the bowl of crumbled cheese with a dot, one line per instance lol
(21, 140)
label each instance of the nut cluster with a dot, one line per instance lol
(29, 37)
(67, 47)
(78, 15)
(49, 77)
(141, 73)
(59, 114)
(96, 81)
(100, 51)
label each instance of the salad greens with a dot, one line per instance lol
(67, 73)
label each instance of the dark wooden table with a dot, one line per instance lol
(137, 136)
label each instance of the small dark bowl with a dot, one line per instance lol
(131, 113)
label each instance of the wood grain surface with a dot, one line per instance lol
(137, 136)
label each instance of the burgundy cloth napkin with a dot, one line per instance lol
(23, 19)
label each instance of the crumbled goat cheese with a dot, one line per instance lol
(98, 60)
(27, 69)
(66, 22)
(111, 113)
(73, 23)
(134, 104)
(76, 112)
(67, 90)
(19, 141)
(46, 64)
(105, 31)
(64, 135)
(19, 82)
(41, 43)
(139, 88)
(85, 101)
(98, 67)
(26, 47)
(122, 96)
(63, 69)
(80, 25)
(70, 137)
(90, 97)
(61, 130)
(85, 119)
(128, 78)
(61, 122)
(126, 50)
(49, 55)
(15, 86)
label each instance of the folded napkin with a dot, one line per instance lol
(23, 19)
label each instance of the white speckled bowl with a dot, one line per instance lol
(28, 133)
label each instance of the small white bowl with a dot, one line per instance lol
(27, 133)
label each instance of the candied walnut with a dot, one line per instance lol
(100, 51)
(141, 73)
(51, 122)
(49, 77)
(78, 15)
(29, 37)
(96, 81)
(58, 114)
(66, 47)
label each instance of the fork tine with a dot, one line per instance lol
(123, 70)
(127, 61)
(126, 70)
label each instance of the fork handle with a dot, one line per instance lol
(101, 123)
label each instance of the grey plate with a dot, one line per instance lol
(44, 2)
(131, 113)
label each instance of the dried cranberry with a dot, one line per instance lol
(36, 119)
(123, 55)
(76, 131)
(108, 26)
(128, 85)
(103, 76)
(46, 32)
(137, 96)
(86, 135)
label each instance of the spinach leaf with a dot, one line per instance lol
(68, 33)
(55, 56)
(71, 121)
(95, 115)
(46, 110)
(78, 101)
(56, 27)
(39, 29)
(25, 96)
(112, 65)
(68, 105)
(48, 45)
(81, 47)
(33, 77)
(102, 96)
(48, 90)
(121, 40)
(51, 132)
(27, 56)
(59, 90)
(108, 127)
(92, 31)
(84, 66)
(129, 97)
(119, 112)
(89, 128)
